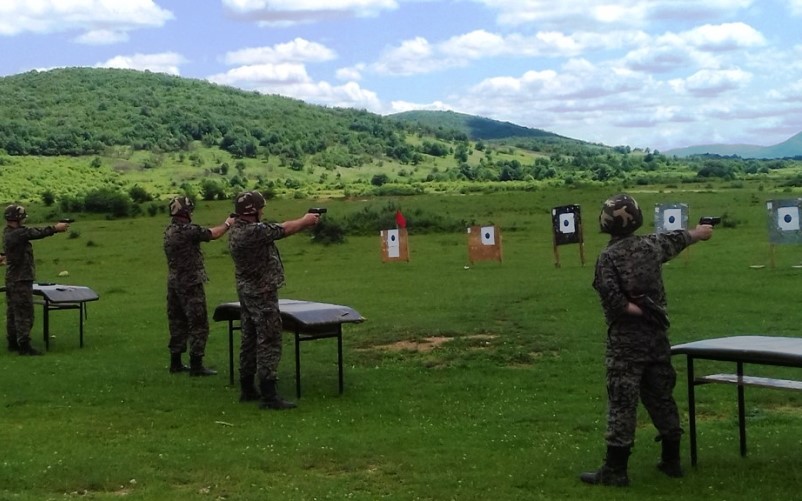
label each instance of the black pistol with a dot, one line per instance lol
(711, 220)
(66, 220)
(317, 210)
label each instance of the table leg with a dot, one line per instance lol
(340, 355)
(741, 410)
(297, 363)
(81, 323)
(46, 324)
(692, 410)
(231, 352)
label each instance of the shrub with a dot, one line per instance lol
(109, 201)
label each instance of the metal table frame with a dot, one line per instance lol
(760, 350)
(303, 328)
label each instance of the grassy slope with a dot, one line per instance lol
(513, 416)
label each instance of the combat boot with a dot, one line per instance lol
(25, 349)
(176, 365)
(196, 367)
(249, 392)
(669, 459)
(613, 471)
(12, 344)
(270, 397)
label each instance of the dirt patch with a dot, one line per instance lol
(427, 344)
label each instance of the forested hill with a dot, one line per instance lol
(84, 111)
(475, 128)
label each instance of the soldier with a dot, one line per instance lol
(20, 274)
(186, 298)
(638, 355)
(259, 274)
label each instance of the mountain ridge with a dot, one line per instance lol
(789, 148)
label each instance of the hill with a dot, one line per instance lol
(473, 127)
(791, 148)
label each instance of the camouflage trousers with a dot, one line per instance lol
(19, 311)
(260, 350)
(651, 382)
(187, 319)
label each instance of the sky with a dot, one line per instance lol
(656, 74)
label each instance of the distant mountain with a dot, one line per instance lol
(787, 149)
(474, 127)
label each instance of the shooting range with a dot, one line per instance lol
(783, 224)
(566, 222)
(484, 244)
(394, 245)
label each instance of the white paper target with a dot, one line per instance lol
(672, 219)
(788, 218)
(488, 235)
(567, 223)
(393, 245)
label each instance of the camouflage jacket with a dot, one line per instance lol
(257, 261)
(630, 269)
(184, 257)
(20, 266)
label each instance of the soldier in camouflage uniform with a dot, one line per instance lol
(186, 298)
(20, 274)
(638, 356)
(259, 274)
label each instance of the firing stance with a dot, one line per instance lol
(638, 356)
(259, 274)
(20, 274)
(186, 275)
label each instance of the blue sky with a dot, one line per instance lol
(658, 73)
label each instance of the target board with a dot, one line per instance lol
(784, 221)
(670, 217)
(394, 245)
(484, 243)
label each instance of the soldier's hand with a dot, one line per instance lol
(310, 219)
(61, 227)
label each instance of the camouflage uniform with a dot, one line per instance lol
(20, 274)
(638, 355)
(186, 298)
(259, 274)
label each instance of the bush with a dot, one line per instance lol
(106, 200)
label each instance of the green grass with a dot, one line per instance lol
(514, 414)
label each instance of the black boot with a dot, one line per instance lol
(613, 471)
(26, 349)
(196, 367)
(669, 459)
(12, 344)
(270, 397)
(176, 365)
(249, 392)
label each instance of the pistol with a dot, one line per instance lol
(234, 215)
(711, 220)
(318, 210)
(66, 220)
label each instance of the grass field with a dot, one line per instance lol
(510, 407)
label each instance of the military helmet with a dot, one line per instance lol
(620, 215)
(15, 212)
(181, 206)
(249, 202)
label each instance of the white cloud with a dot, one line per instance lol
(102, 37)
(795, 6)
(255, 75)
(165, 62)
(589, 14)
(724, 37)
(90, 16)
(288, 12)
(402, 106)
(352, 73)
(298, 50)
(711, 83)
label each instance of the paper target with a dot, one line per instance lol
(488, 235)
(393, 244)
(788, 218)
(567, 223)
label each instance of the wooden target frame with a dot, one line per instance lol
(393, 253)
(484, 244)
